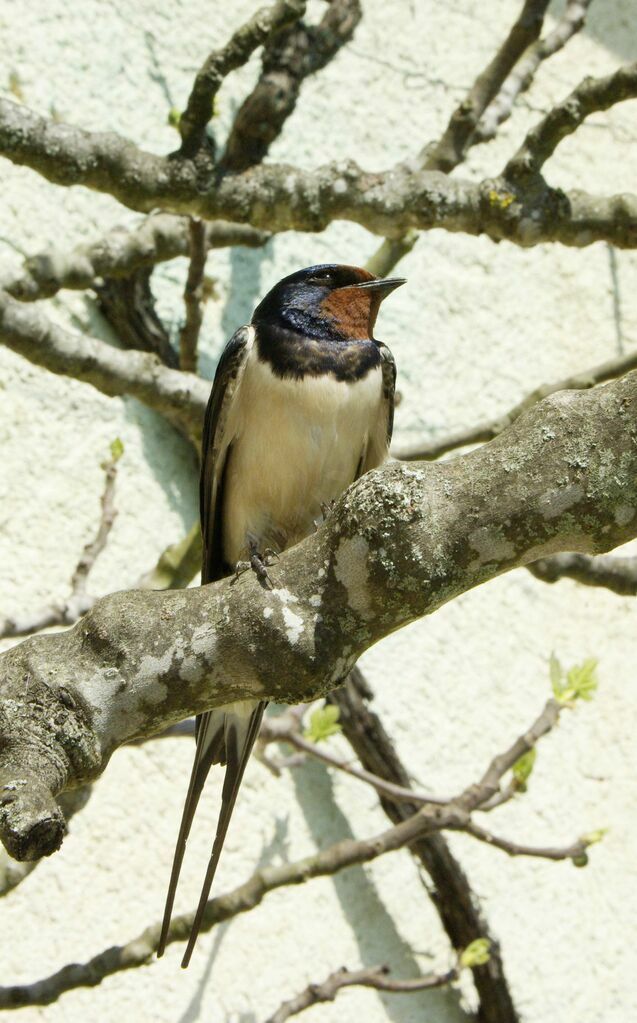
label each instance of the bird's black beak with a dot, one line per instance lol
(383, 286)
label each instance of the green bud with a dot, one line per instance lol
(476, 954)
(323, 723)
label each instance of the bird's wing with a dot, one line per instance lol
(381, 432)
(215, 448)
(225, 735)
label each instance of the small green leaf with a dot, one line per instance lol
(117, 449)
(476, 954)
(323, 723)
(579, 683)
(174, 117)
(580, 861)
(523, 767)
(582, 679)
(593, 837)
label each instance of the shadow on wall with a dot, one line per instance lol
(372, 926)
(613, 25)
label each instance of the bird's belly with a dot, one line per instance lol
(297, 445)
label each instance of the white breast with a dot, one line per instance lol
(295, 444)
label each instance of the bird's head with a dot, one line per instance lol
(330, 301)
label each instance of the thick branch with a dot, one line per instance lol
(487, 430)
(399, 544)
(288, 59)
(279, 197)
(156, 239)
(236, 52)
(128, 306)
(180, 397)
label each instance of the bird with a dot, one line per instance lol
(302, 404)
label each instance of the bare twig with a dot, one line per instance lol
(193, 297)
(376, 977)
(350, 852)
(219, 64)
(459, 135)
(491, 428)
(450, 150)
(242, 899)
(478, 796)
(591, 95)
(176, 567)
(79, 601)
(156, 239)
(616, 574)
(459, 910)
(523, 73)
(574, 851)
(287, 729)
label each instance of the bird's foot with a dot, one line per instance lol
(258, 563)
(326, 509)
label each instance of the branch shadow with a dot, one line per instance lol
(373, 927)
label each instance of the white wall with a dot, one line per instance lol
(477, 327)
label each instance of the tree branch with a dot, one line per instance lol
(128, 306)
(193, 297)
(400, 543)
(156, 239)
(376, 977)
(458, 908)
(288, 59)
(487, 430)
(575, 851)
(279, 197)
(236, 52)
(520, 78)
(450, 150)
(180, 397)
(426, 821)
(616, 574)
(591, 95)
(65, 612)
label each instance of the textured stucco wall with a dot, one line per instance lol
(477, 326)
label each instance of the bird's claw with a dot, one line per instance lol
(258, 563)
(327, 507)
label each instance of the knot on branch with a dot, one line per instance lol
(46, 742)
(31, 822)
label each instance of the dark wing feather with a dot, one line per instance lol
(215, 453)
(224, 735)
(381, 432)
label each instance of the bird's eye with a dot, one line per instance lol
(324, 277)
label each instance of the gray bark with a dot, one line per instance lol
(400, 543)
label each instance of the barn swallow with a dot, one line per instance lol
(302, 404)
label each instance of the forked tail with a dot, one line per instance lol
(225, 735)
